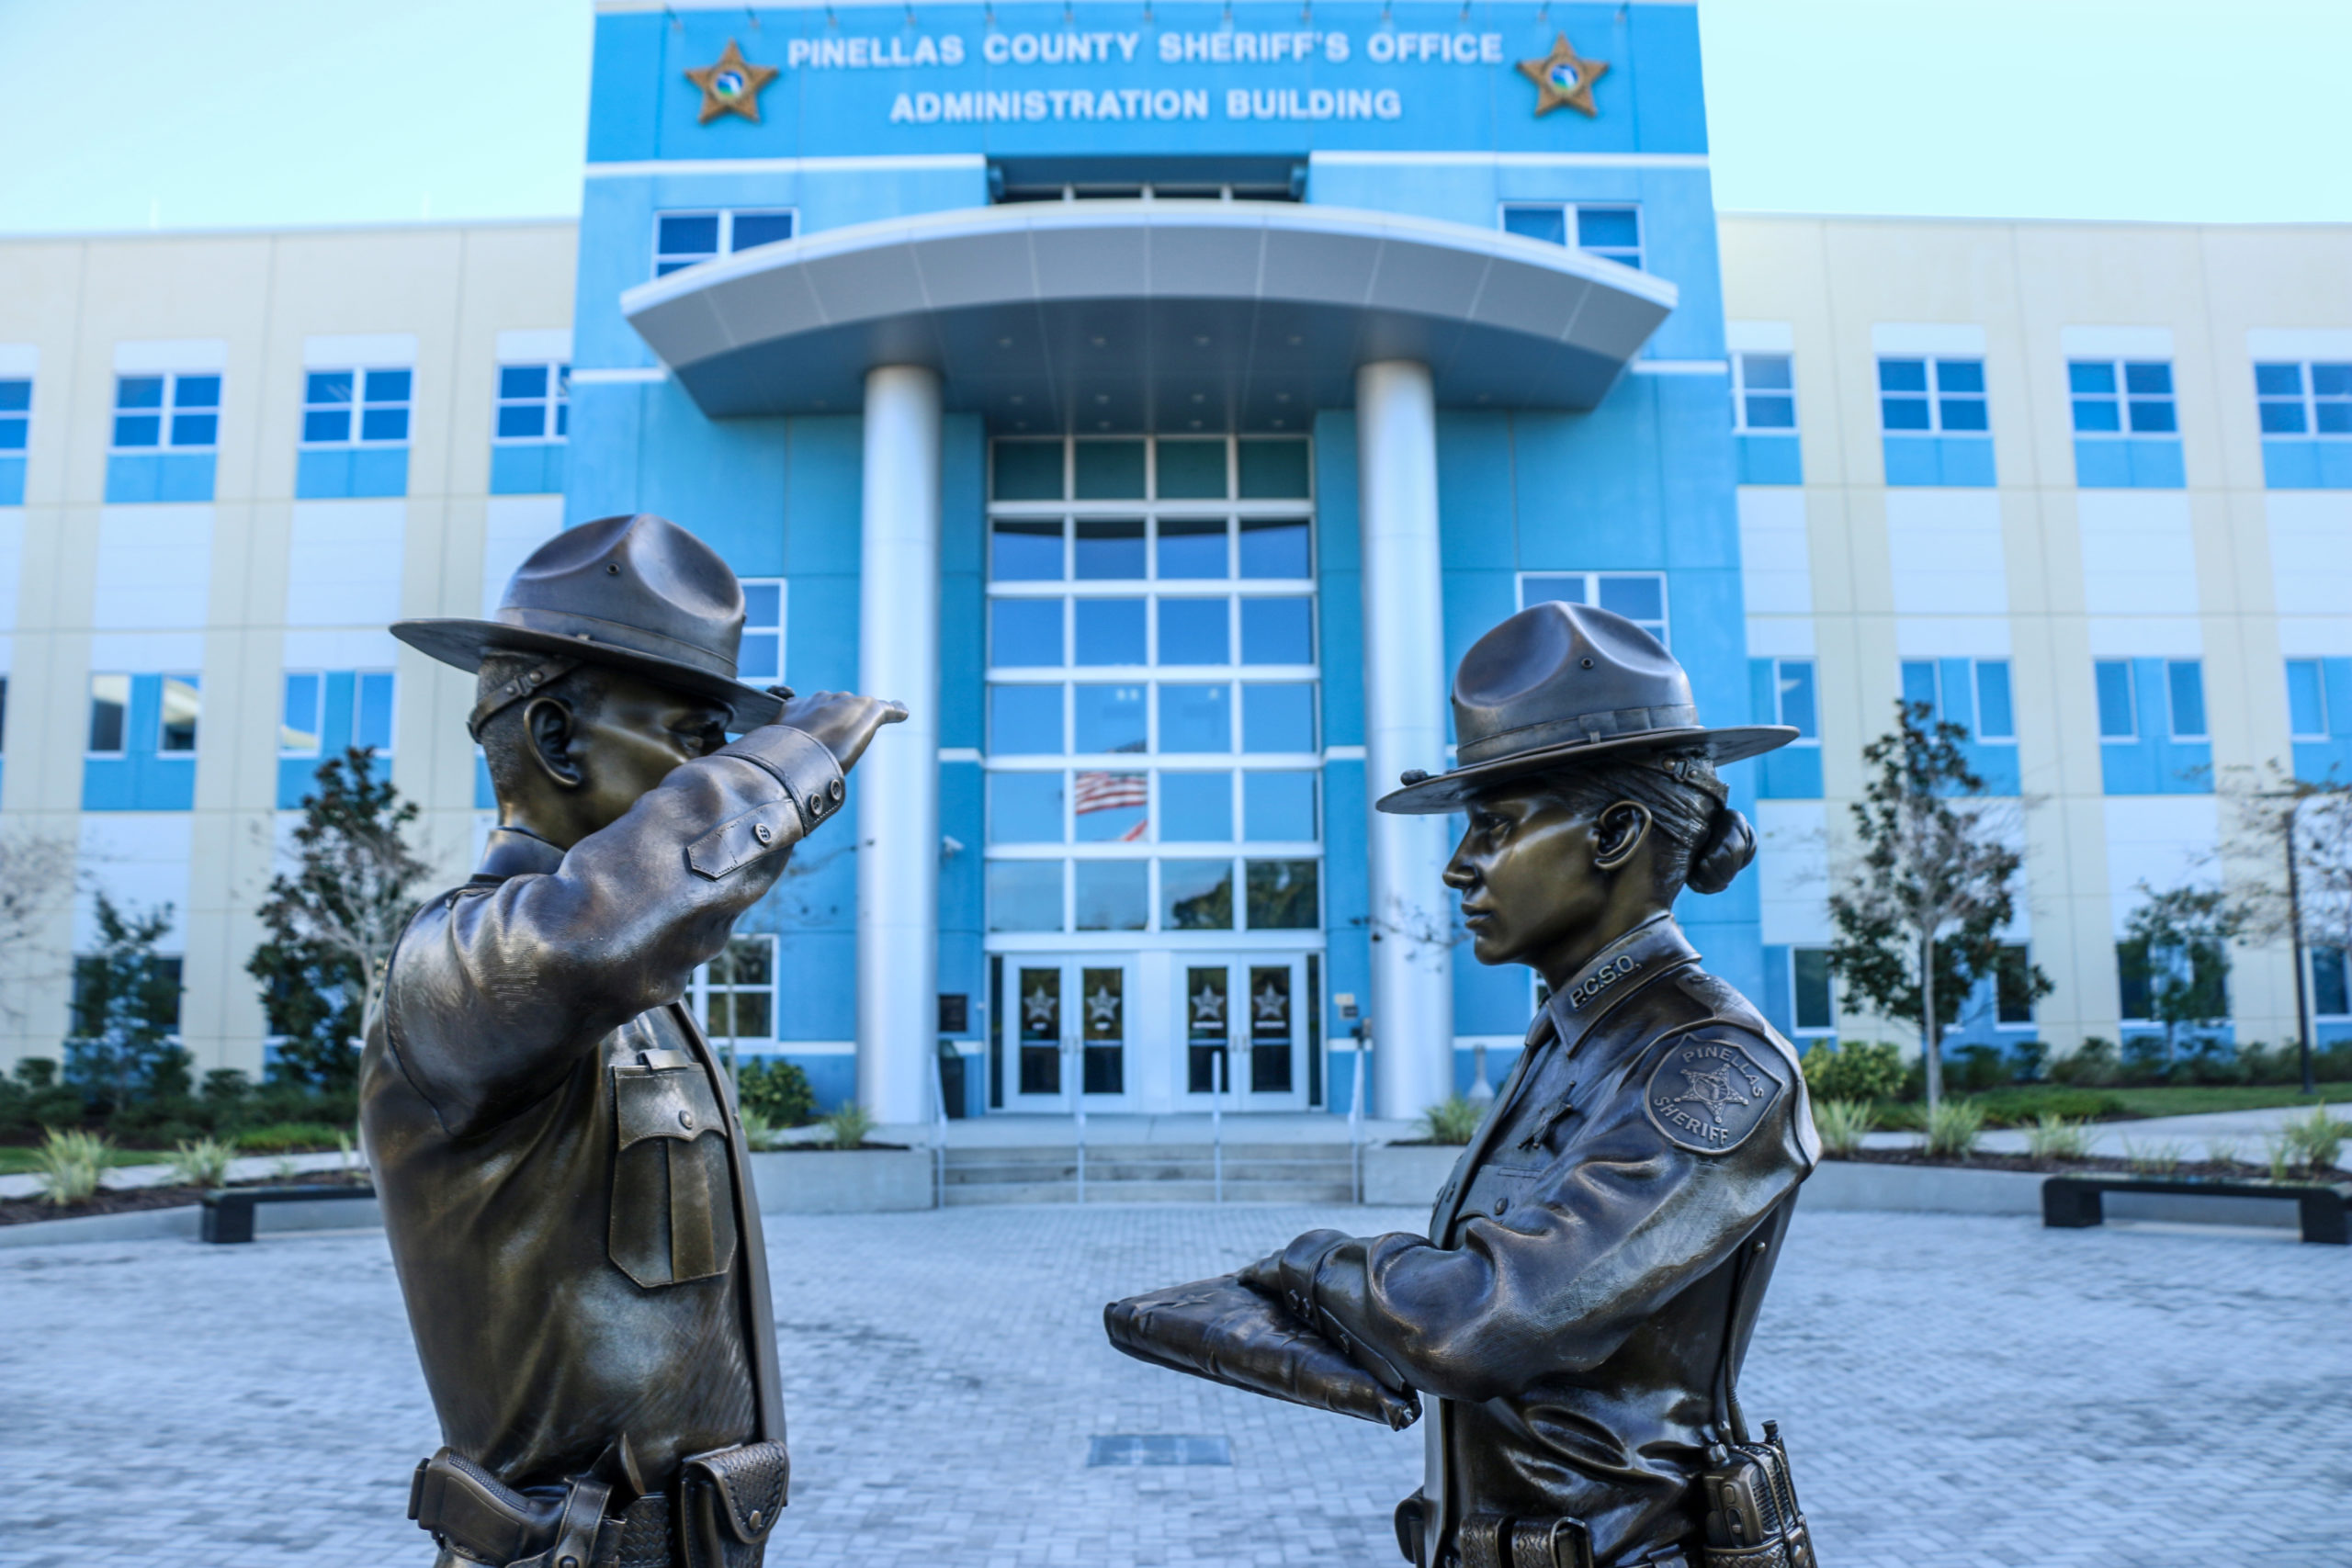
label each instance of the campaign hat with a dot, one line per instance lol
(633, 593)
(1557, 685)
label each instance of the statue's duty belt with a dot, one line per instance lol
(725, 1503)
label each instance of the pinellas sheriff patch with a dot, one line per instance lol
(1708, 1095)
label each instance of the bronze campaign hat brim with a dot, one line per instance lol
(1452, 791)
(464, 643)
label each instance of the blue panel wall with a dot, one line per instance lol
(2330, 760)
(12, 480)
(298, 777)
(1770, 460)
(142, 778)
(133, 478)
(2132, 462)
(344, 473)
(2307, 464)
(2155, 764)
(534, 467)
(1953, 461)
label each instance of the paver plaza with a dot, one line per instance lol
(1956, 1391)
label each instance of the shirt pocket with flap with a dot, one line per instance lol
(674, 1199)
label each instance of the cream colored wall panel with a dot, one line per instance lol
(2115, 343)
(140, 860)
(154, 566)
(548, 345)
(1944, 552)
(1781, 637)
(2146, 636)
(2138, 556)
(516, 525)
(346, 351)
(1775, 555)
(2163, 840)
(1965, 338)
(12, 563)
(1952, 636)
(343, 564)
(1793, 866)
(2310, 552)
(134, 652)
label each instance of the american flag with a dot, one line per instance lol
(1112, 792)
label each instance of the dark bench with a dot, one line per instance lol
(2071, 1202)
(229, 1210)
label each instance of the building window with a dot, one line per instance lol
(738, 992)
(356, 407)
(1152, 757)
(2330, 982)
(760, 660)
(2115, 397)
(181, 412)
(1923, 682)
(1796, 701)
(16, 412)
(182, 706)
(1995, 714)
(371, 710)
(2118, 718)
(2185, 696)
(682, 239)
(110, 714)
(1763, 392)
(300, 713)
(1611, 231)
(1639, 596)
(1813, 1005)
(1932, 396)
(2295, 399)
(534, 402)
(92, 1000)
(2013, 984)
(2306, 699)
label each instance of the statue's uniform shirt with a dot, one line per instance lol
(1569, 1311)
(558, 1160)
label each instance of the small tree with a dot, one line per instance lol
(2180, 939)
(1919, 910)
(36, 877)
(126, 1008)
(2290, 845)
(334, 917)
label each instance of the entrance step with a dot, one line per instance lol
(1152, 1173)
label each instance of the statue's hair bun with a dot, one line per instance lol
(1728, 847)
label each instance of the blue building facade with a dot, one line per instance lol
(1147, 270)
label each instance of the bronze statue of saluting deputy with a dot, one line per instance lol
(1583, 1300)
(556, 1150)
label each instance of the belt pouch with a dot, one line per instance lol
(727, 1501)
(1499, 1541)
(1753, 1520)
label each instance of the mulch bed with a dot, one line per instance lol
(108, 1200)
(2098, 1165)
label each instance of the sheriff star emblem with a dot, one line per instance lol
(733, 86)
(1564, 77)
(1708, 1095)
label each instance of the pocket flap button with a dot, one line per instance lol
(685, 1118)
(763, 832)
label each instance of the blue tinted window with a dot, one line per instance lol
(372, 718)
(1766, 372)
(1026, 721)
(2153, 416)
(1025, 552)
(1277, 631)
(2116, 721)
(1191, 549)
(1902, 375)
(384, 424)
(2143, 377)
(1533, 589)
(298, 713)
(2278, 418)
(2090, 375)
(326, 387)
(1764, 400)
(139, 392)
(1273, 548)
(1277, 717)
(195, 429)
(138, 430)
(1638, 598)
(2306, 699)
(1196, 808)
(1278, 808)
(762, 604)
(1197, 894)
(1548, 223)
(2332, 380)
(1996, 715)
(387, 386)
(1108, 719)
(522, 380)
(1025, 895)
(2185, 680)
(1110, 631)
(1108, 808)
(195, 392)
(1192, 631)
(1610, 227)
(1027, 470)
(521, 422)
(2279, 380)
(2097, 417)
(752, 229)
(1920, 684)
(13, 430)
(2330, 982)
(16, 396)
(1024, 631)
(1024, 809)
(531, 401)
(1195, 719)
(681, 239)
(326, 426)
(1797, 700)
(1960, 376)
(1107, 470)
(1272, 468)
(1109, 550)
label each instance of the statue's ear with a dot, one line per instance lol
(1618, 832)
(549, 730)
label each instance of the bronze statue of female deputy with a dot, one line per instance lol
(1582, 1302)
(556, 1151)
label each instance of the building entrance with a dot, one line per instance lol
(1070, 1017)
(1246, 1014)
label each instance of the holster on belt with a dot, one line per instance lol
(465, 1507)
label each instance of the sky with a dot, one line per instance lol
(171, 114)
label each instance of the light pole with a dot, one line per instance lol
(2294, 799)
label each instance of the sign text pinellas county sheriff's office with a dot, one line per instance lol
(1103, 100)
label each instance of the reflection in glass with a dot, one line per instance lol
(1026, 552)
(1024, 632)
(182, 705)
(1191, 548)
(1025, 808)
(1270, 1029)
(1192, 470)
(1277, 717)
(1113, 895)
(109, 702)
(1273, 547)
(1277, 631)
(1103, 1026)
(1109, 718)
(1197, 894)
(1278, 808)
(1110, 631)
(1283, 896)
(1025, 895)
(1195, 719)
(1110, 808)
(1040, 990)
(297, 723)
(1208, 1025)
(1026, 721)
(1192, 631)
(1196, 808)
(1109, 550)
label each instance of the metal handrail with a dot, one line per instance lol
(1217, 1119)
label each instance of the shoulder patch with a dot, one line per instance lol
(1708, 1093)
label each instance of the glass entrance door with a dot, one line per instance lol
(1250, 1015)
(1072, 1022)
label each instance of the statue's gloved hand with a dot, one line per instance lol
(845, 722)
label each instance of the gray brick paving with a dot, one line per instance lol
(1959, 1392)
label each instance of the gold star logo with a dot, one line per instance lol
(733, 86)
(1562, 78)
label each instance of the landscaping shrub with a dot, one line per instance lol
(1977, 1068)
(68, 1165)
(290, 1137)
(2028, 1061)
(849, 1125)
(2022, 1105)
(2317, 1139)
(2093, 1063)
(31, 1098)
(777, 1090)
(1954, 1128)
(203, 1163)
(1451, 1120)
(1842, 1123)
(2055, 1137)
(1853, 1070)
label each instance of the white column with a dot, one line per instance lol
(897, 785)
(1404, 723)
